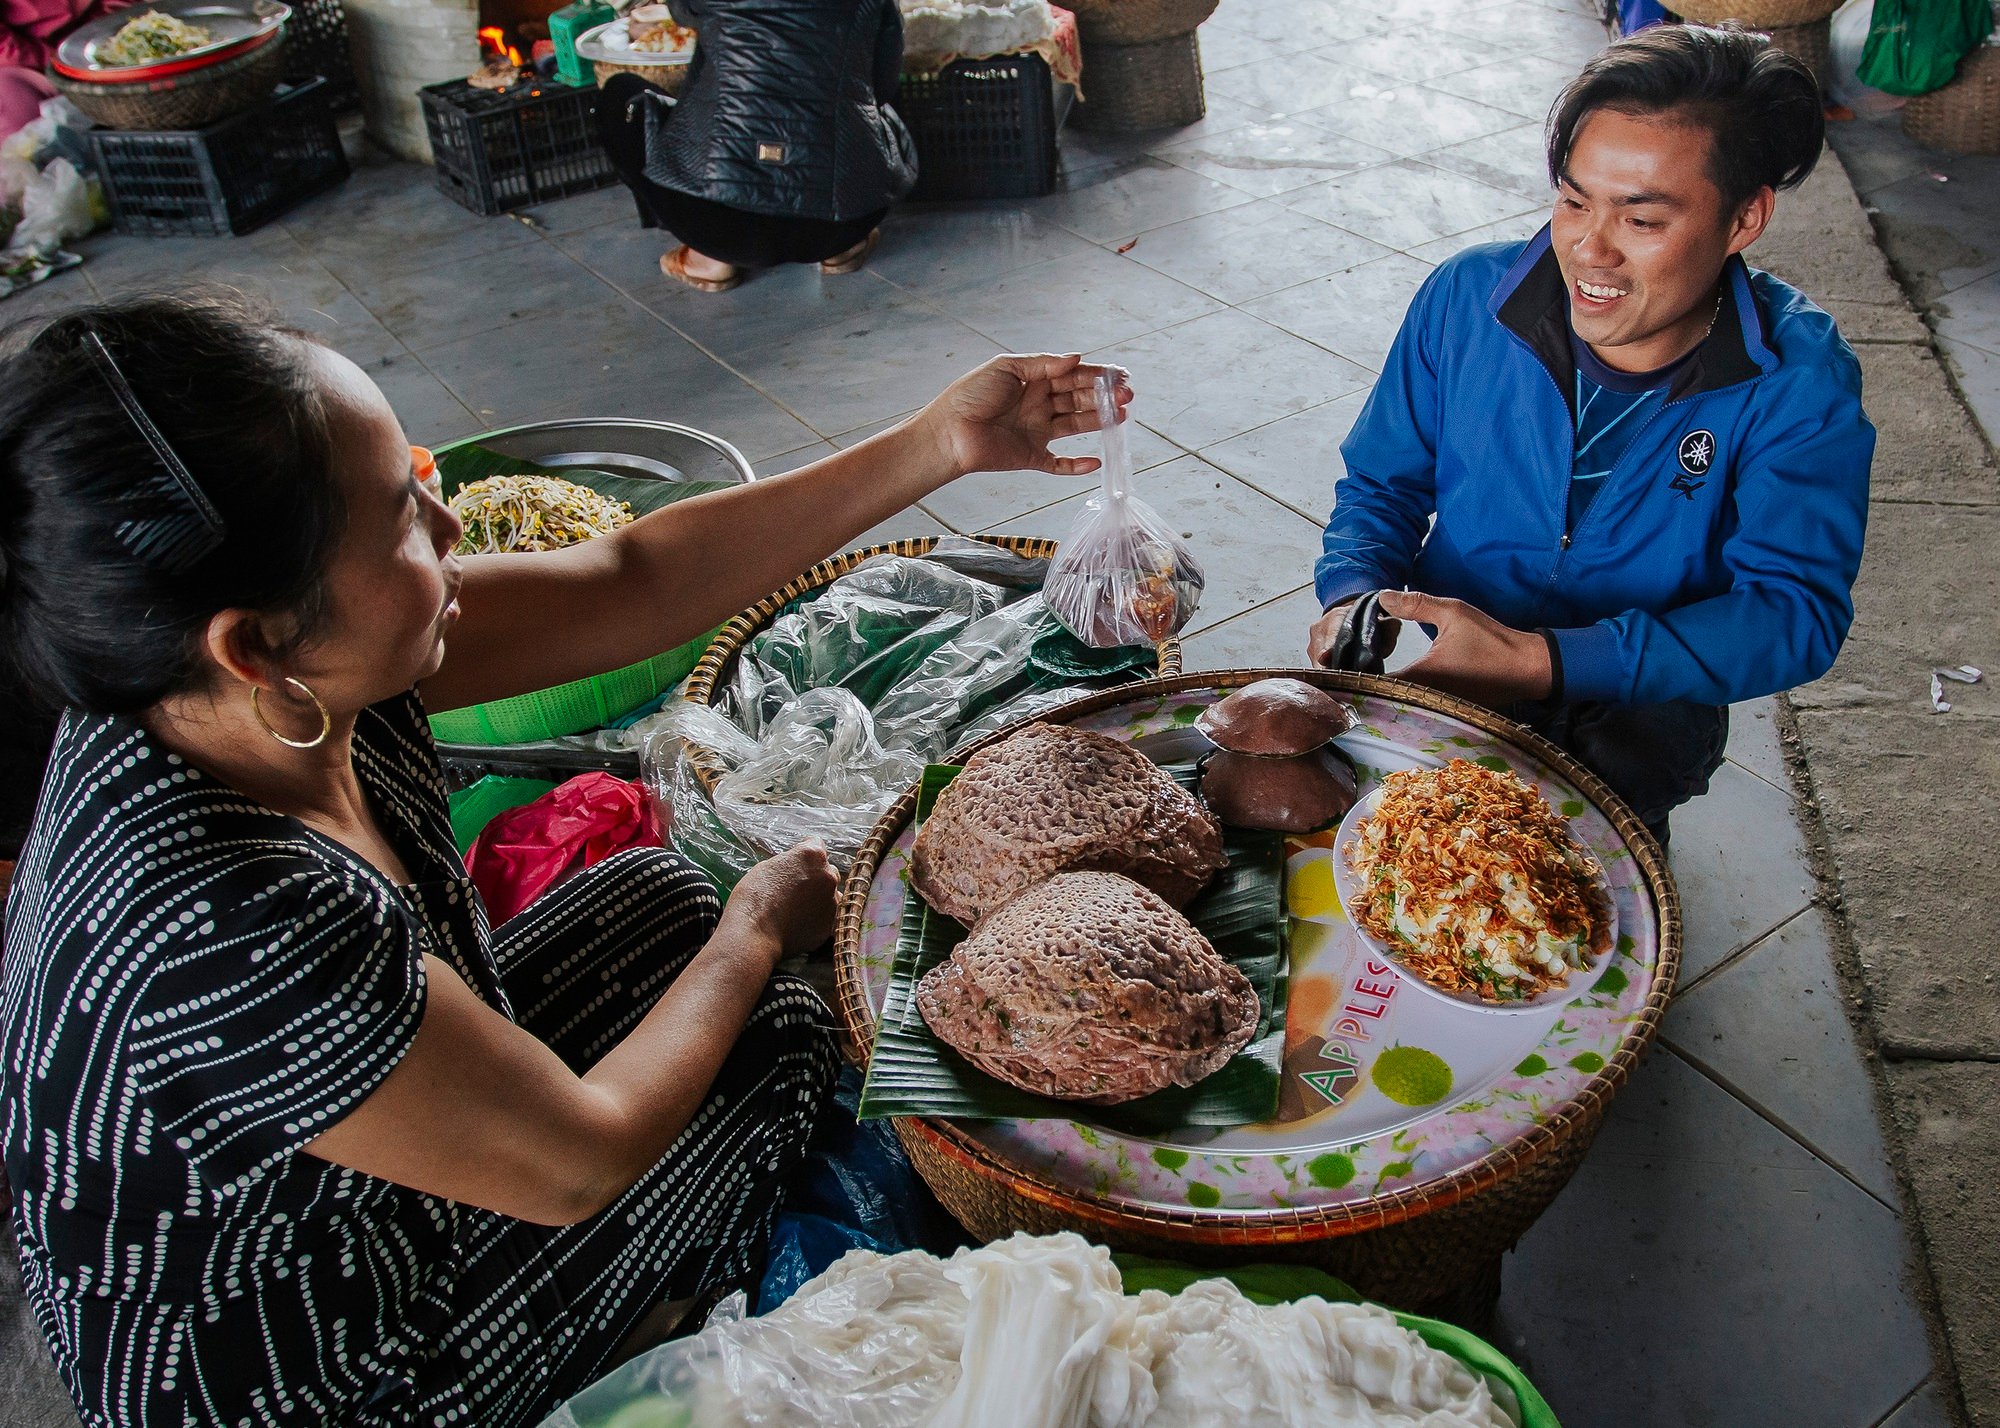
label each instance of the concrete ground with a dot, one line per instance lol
(1735, 1249)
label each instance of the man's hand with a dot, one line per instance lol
(1321, 634)
(1002, 416)
(1473, 655)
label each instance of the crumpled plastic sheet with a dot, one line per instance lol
(834, 710)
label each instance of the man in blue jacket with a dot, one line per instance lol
(1621, 475)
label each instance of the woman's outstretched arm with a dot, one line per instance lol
(531, 621)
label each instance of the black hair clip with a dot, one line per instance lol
(183, 525)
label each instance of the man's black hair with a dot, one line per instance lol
(1760, 106)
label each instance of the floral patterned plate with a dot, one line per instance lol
(1384, 1089)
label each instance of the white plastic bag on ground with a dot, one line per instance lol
(55, 207)
(1843, 79)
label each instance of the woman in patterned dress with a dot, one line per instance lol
(292, 1136)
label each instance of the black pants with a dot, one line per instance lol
(1655, 756)
(729, 235)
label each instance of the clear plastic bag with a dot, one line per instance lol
(1122, 576)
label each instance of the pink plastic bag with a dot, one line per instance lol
(526, 851)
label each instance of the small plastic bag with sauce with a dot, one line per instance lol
(1122, 576)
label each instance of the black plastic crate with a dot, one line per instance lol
(495, 152)
(316, 44)
(984, 128)
(237, 174)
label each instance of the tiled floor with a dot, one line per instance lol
(1731, 1253)
(1939, 217)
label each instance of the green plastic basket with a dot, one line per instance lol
(581, 704)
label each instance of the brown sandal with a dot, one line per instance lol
(853, 258)
(674, 265)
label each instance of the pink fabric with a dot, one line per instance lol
(526, 851)
(30, 30)
(21, 94)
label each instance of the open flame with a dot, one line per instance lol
(493, 44)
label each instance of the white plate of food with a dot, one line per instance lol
(645, 35)
(1474, 889)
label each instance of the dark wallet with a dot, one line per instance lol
(1365, 637)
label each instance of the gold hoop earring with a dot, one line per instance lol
(325, 719)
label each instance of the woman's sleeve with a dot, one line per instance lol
(272, 1019)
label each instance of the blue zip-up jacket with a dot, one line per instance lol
(1716, 562)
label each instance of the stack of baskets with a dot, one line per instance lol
(1964, 116)
(1801, 28)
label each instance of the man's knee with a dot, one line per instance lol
(1654, 756)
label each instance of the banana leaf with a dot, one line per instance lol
(1241, 912)
(462, 465)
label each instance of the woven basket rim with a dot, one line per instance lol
(1758, 14)
(704, 682)
(1279, 1226)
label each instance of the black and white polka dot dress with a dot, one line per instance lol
(195, 986)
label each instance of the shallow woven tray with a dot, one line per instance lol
(1415, 1246)
(1963, 117)
(1756, 14)
(706, 681)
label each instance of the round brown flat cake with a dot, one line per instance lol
(1053, 799)
(1090, 988)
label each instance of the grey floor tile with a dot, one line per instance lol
(1545, 30)
(1223, 48)
(432, 306)
(430, 414)
(1406, 204)
(1771, 1027)
(345, 324)
(1943, 235)
(624, 255)
(1292, 84)
(585, 210)
(1272, 158)
(1126, 200)
(622, 362)
(1740, 865)
(1971, 314)
(1072, 304)
(1408, 55)
(270, 264)
(844, 376)
(1227, 373)
(1519, 228)
(1754, 741)
(1251, 548)
(1978, 374)
(1514, 159)
(1272, 636)
(1243, 253)
(1296, 459)
(1703, 1268)
(1355, 313)
(1526, 84)
(1923, 1409)
(927, 249)
(389, 218)
(1876, 152)
(1084, 149)
(1301, 25)
(1409, 119)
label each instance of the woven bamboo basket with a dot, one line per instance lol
(1133, 88)
(1137, 22)
(705, 682)
(1964, 116)
(1417, 1247)
(1766, 15)
(1811, 44)
(182, 101)
(665, 77)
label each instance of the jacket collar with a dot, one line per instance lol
(1532, 302)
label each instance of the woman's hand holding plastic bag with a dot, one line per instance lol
(1003, 415)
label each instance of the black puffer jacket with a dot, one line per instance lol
(786, 109)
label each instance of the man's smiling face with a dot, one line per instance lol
(1641, 231)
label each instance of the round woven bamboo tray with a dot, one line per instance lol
(1964, 116)
(705, 682)
(1417, 1245)
(1763, 15)
(182, 101)
(1811, 44)
(1136, 22)
(1156, 85)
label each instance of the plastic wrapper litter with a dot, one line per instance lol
(832, 711)
(1122, 576)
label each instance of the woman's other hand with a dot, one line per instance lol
(788, 900)
(1003, 415)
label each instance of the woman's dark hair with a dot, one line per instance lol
(1761, 107)
(84, 620)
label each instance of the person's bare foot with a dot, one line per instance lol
(853, 258)
(699, 271)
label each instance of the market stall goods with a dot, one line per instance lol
(531, 513)
(1475, 884)
(651, 28)
(152, 36)
(1275, 717)
(1089, 988)
(1305, 793)
(1052, 799)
